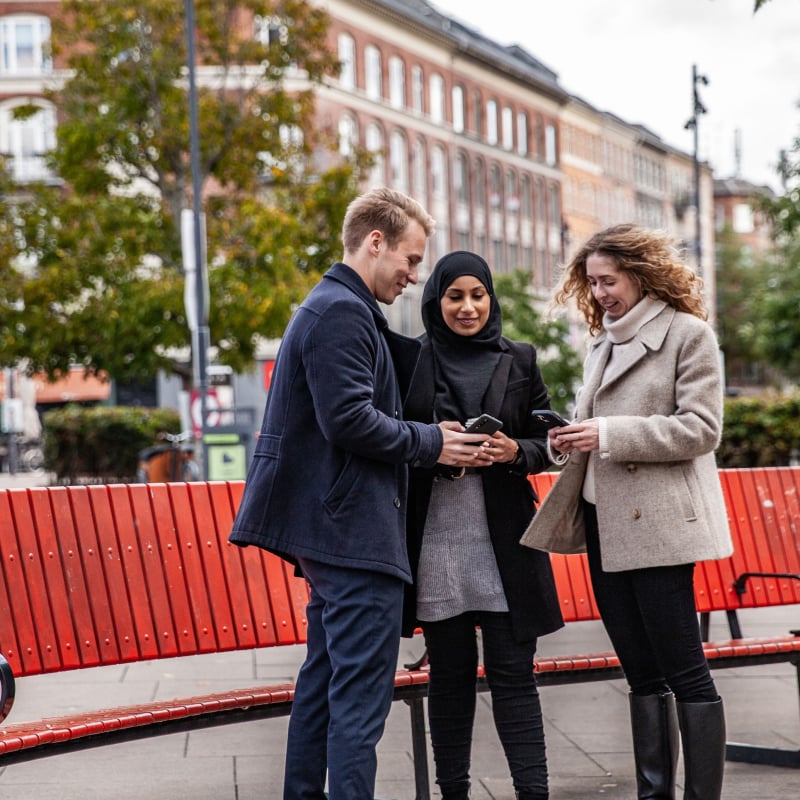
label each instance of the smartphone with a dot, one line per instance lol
(485, 423)
(546, 419)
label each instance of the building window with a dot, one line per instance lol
(419, 166)
(508, 128)
(439, 173)
(23, 44)
(270, 30)
(374, 141)
(522, 133)
(550, 151)
(479, 182)
(441, 206)
(437, 97)
(398, 161)
(461, 179)
(27, 141)
(512, 198)
(397, 82)
(348, 135)
(525, 206)
(539, 200)
(555, 206)
(743, 220)
(497, 256)
(458, 109)
(491, 122)
(372, 67)
(417, 90)
(347, 58)
(477, 111)
(495, 187)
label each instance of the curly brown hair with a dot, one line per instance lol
(651, 259)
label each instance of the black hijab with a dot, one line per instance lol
(462, 365)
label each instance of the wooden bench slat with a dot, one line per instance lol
(21, 558)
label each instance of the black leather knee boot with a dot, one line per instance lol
(703, 734)
(654, 725)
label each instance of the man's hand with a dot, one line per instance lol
(464, 449)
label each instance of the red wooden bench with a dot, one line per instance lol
(103, 575)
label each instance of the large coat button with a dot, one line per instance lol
(397, 502)
(631, 467)
(636, 513)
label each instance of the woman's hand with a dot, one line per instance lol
(503, 448)
(581, 436)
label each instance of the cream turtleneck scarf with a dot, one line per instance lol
(620, 332)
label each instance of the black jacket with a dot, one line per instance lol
(515, 390)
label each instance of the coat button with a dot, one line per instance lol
(397, 502)
(631, 468)
(636, 513)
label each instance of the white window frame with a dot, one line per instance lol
(347, 58)
(417, 89)
(491, 122)
(372, 72)
(457, 97)
(28, 140)
(38, 61)
(436, 92)
(397, 82)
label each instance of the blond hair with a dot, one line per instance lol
(385, 210)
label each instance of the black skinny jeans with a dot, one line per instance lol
(651, 619)
(453, 653)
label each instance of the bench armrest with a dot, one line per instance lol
(740, 583)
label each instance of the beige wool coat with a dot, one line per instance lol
(658, 495)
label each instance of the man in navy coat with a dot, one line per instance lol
(327, 491)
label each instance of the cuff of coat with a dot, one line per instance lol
(602, 430)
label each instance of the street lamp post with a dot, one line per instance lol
(697, 109)
(198, 315)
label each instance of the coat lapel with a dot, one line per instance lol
(493, 399)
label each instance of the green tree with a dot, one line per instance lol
(96, 276)
(522, 321)
(779, 333)
(741, 286)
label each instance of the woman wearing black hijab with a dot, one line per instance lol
(464, 528)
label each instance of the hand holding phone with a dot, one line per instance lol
(485, 423)
(546, 418)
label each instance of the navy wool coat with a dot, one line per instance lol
(515, 390)
(329, 475)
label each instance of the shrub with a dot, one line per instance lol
(762, 431)
(101, 443)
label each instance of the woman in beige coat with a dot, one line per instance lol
(640, 494)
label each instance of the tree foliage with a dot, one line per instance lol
(522, 321)
(780, 323)
(96, 276)
(741, 287)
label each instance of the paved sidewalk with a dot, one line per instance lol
(587, 730)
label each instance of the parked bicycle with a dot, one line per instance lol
(169, 462)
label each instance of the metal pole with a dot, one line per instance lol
(201, 334)
(697, 109)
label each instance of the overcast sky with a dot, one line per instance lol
(634, 58)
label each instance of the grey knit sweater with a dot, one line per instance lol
(457, 567)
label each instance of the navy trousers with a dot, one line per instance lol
(345, 686)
